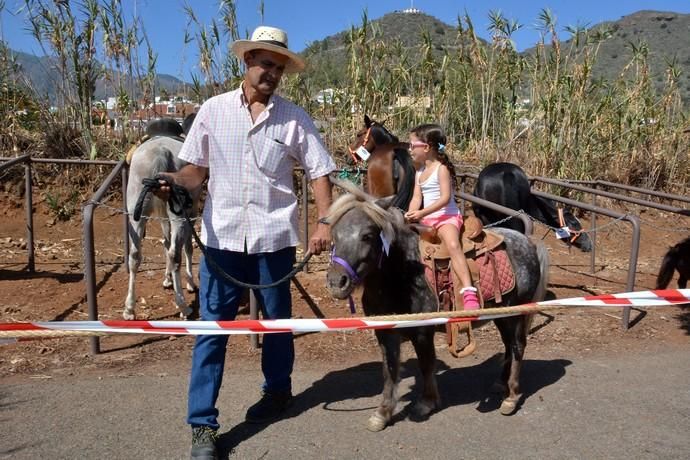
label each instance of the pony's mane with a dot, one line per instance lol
(384, 132)
(356, 198)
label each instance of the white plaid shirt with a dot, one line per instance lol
(250, 188)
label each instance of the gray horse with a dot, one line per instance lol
(374, 247)
(156, 155)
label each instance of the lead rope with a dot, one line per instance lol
(179, 201)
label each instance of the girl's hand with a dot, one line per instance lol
(414, 216)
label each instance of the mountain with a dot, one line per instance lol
(42, 76)
(328, 58)
(667, 36)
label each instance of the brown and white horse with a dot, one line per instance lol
(390, 170)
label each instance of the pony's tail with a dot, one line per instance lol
(668, 265)
(543, 256)
(164, 162)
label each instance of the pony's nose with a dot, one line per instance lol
(343, 281)
(338, 283)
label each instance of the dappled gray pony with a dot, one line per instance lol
(374, 247)
(156, 155)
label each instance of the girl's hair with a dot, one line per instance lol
(432, 134)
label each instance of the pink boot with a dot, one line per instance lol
(469, 298)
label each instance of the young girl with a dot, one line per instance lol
(433, 203)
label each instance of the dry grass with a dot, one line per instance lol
(542, 110)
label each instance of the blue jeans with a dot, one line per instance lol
(219, 300)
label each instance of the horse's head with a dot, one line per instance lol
(578, 237)
(559, 217)
(373, 134)
(363, 230)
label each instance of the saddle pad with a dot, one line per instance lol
(495, 273)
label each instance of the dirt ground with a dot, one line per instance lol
(56, 291)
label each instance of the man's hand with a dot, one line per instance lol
(320, 239)
(166, 180)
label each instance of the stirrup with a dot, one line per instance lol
(460, 352)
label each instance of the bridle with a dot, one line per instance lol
(561, 221)
(353, 152)
(352, 273)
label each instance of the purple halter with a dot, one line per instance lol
(350, 271)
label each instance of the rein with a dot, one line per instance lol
(179, 201)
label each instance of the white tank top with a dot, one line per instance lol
(431, 191)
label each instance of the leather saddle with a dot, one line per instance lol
(160, 127)
(489, 268)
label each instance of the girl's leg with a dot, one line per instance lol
(450, 236)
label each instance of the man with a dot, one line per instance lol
(246, 143)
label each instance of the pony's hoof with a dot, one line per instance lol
(191, 288)
(185, 312)
(167, 284)
(423, 409)
(509, 406)
(376, 423)
(128, 315)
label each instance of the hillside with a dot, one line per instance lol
(667, 36)
(43, 76)
(327, 58)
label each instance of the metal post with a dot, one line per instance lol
(90, 272)
(29, 203)
(89, 251)
(630, 285)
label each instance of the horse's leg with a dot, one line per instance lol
(174, 261)
(137, 231)
(514, 335)
(389, 342)
(188, 250)
(423, 342)
(682, 282)
(167, 279)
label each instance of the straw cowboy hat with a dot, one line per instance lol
(270, 39)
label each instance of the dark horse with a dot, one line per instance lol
(677, 258)
(390, 170)
(507, 184)
(375, 247)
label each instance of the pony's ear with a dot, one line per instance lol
(385, 202)
(367, 121)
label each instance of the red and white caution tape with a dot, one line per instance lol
(665, 297)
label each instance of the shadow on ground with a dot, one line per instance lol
(458, 386)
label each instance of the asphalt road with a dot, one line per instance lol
(614, 407)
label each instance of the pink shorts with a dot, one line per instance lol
(444, 219)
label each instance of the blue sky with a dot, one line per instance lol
(309, 20)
